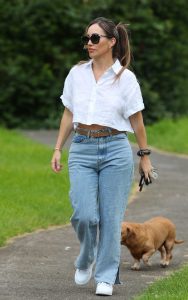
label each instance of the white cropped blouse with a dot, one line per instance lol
(106, 102)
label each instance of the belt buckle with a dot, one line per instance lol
(96, 133)
(100, 131)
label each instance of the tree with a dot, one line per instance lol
(40, 41)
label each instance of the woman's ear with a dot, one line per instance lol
(112, 42)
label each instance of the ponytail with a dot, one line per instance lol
(122, 49)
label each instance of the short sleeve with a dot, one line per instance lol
(66, 96)
(133, 97)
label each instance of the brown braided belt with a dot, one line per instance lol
(98, 133)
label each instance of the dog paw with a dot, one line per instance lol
(164, 264)
(135, 268)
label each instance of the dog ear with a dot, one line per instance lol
(130, 232)
(125, 235)
(128, 229)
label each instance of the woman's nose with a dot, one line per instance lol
(89, 42)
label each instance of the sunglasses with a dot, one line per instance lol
(94, 38)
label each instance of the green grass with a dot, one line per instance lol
(175, 287)
(31, 195)
(168, 135)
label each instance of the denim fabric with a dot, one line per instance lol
(101, 171)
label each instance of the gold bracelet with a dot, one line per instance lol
(58, 149)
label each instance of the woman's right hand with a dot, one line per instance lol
(55, 162)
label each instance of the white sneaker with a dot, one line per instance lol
(83, 276)
(104, 288)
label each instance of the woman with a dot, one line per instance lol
(102, 101)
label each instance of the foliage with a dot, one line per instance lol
(40, 41)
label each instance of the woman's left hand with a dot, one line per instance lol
(145, 166)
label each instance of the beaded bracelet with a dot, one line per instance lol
(143, 152)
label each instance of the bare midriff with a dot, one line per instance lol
(91, 127)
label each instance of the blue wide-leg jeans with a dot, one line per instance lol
(101, 171)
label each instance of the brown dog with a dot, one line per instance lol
(144, 239)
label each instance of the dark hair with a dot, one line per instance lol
(121, 49)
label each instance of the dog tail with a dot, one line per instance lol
(179, 241)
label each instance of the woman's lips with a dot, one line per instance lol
(91, 49)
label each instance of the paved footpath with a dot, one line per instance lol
(39, 266)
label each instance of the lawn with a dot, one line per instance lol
(168, 135)
(175, 287)
(31, 195)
